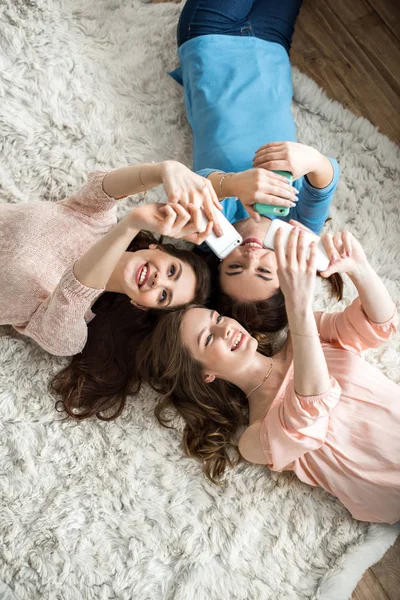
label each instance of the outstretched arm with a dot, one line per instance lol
(297, 281)
(181, 185)
(96, 266)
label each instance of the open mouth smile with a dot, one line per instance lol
(142, 275)
(252, 243)
(238, 341)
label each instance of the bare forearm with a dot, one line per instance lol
(311, 376)
(215, 178)
(96, 266)
(130, 180)
(374, 297)
(322, 175)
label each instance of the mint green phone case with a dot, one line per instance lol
(268, 210)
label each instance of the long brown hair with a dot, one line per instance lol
(98, 380)
(212, 411)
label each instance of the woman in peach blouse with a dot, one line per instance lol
(314, 407)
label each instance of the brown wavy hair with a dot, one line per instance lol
(99, 379)
(212, 412)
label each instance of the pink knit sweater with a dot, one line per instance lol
(39, 244)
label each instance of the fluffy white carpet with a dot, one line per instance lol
(115, 511)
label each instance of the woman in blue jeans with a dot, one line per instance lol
(236, 73)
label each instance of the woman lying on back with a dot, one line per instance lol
(58, 258)
(315, 407)
(236, 73)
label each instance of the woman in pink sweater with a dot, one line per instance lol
(315, 407)
(56, 259)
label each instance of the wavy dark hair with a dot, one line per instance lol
(99, 379)
(212, 412)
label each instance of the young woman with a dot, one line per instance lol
(236, 73)
(315, 408)
(58, 258)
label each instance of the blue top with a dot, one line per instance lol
(238, 96)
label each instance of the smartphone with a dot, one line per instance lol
(269, 241)
(268, 210)
(230, 239)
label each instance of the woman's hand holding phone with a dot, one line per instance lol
(296, 158)
(186, 188)
(172, 220)
(296, 272)
(259, 185)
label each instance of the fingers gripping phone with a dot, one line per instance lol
(230, 239)
(268, 210)
(269, 242)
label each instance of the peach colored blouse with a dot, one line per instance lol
(346, 440)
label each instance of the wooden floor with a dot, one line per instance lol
(351, 49)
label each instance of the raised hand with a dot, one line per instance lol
(184, 187)
(296, 272)
(172, 220)
(259, 185)
(345, 253)
(296, 158)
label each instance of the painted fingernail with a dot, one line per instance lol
(296, 191)
(348, 252)
(292, 204)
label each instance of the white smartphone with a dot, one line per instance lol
(230, 239)
(322, 257)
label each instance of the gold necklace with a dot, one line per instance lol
(265, 378)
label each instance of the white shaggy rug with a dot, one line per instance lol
(105, 511)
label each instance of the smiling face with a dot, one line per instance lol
(249, 273)
(153, 278)
(219, 343)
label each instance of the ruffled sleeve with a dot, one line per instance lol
(296, 424)
(59, 325)
(92, 201)
(353, 330)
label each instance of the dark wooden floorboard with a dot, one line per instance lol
(352, 51)
(369, 588)
(389, 12)
(387, 572)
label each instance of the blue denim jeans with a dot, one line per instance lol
(270, 20)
